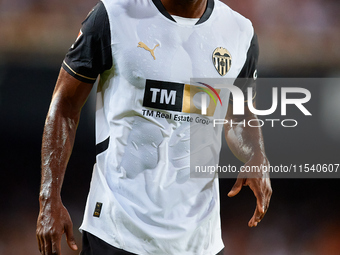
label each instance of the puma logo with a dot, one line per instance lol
(143, 45)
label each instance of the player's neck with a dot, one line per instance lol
(185, 8)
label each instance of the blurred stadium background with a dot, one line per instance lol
(297, 39)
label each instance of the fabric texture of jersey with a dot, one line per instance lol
(143, 198)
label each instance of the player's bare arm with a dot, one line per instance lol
(247, 145)
(61, 123)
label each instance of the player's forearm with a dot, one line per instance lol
(61, 123)
(58, 139)
(244, 141)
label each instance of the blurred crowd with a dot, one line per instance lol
(40, 6)
(305, 14)
(292, 33)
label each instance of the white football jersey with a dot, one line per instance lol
(150, 128)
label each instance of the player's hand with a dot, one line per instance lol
(259, 183)
(53, 221)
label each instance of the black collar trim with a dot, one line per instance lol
(207, 12)
(205, 16)
(162, 9)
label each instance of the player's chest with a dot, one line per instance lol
(174, 53)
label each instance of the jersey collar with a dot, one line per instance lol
(205, 16)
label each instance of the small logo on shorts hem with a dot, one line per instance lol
(97, 210)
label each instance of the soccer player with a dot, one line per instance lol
(142, 199)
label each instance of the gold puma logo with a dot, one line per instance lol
(143, 45)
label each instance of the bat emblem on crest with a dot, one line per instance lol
(222, 60)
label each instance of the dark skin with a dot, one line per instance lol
(247, 145)
(185, 8)
(62, 120)
(61, 123)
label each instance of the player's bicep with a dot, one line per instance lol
(69, 96)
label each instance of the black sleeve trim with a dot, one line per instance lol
(76, 75)
(103, 146)
(91, 54)
(248, 75)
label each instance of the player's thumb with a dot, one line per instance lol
(70, 237)
(236, 188)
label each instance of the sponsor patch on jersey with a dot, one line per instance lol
(98, 209)
(180, 97)
(222, 60)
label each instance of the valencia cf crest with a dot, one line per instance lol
(222, 60)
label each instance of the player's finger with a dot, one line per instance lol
(264, 198)
(260, 202)
(47, 245)
(70, 237)
(252, 223)
(38, 240)
(267, 205)
(257, 217)
(236, 188)
(40, 245)
(267, 199)
(56, 245)
(260, 194)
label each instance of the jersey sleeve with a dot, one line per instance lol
(91, 55)
(248, 75)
